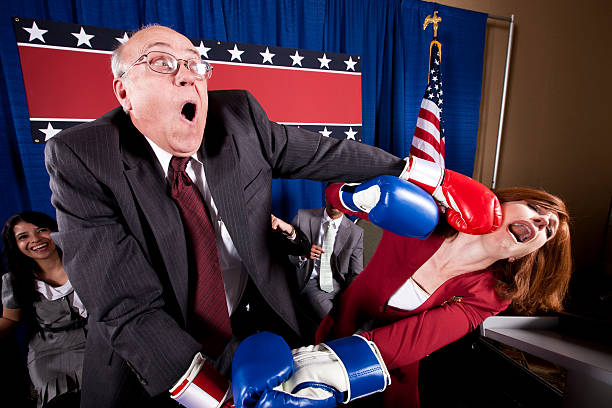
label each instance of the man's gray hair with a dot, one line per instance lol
(117, 65)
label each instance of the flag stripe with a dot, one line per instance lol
(425, 126)
(428, 139)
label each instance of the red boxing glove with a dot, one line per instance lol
(470, 207)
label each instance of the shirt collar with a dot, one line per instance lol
(336, 222)
(164, 157)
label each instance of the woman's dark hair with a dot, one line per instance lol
(22, 268)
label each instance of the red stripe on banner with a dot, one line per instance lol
(429, 116)
(299, 96)
(67, 84)
(78, 85)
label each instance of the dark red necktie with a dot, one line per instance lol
(209, 323)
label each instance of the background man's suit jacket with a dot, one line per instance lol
(123, 240)
(347, 258)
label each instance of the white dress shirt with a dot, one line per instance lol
(319, 240)
(233, 271)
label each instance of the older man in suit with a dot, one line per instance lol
(139, 192)
(336, 257)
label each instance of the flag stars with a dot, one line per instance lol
(83, 38)
(325, 132)
(35, 32)
(350, 134)
(297, 59)
(267, 56)
(324, 61)
(50, 131)
(236, 53)
(350, 64)
(123, 39)
(434, 78)
(202, 50)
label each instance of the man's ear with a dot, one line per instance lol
(121, 94)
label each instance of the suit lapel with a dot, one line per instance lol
(342, 235)
(223, 177)
(146, 180)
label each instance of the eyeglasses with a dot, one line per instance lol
(165, 63)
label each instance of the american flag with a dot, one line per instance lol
(428, 139)
(67, 78)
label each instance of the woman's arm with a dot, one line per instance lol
(9, 319)
(412, 338)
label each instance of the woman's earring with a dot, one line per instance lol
(511, 259)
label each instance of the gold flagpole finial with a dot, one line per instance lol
(435, 20)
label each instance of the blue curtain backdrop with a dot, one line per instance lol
(388, 35)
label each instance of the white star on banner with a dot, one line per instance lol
(35, 32)
(236, 53)
(350, 134)
(83, 38)
(324, 61)
(325, 132)
(267, 56)
(350, 64)
(202, 50)
(297, 59)
(123, 39)
(50, 131)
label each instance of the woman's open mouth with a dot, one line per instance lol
(521, 231)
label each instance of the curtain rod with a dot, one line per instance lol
(494, 17)
(503, 103)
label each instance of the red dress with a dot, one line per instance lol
(405, 337)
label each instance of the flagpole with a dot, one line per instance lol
(503, 102)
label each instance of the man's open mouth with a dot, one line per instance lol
(521, 231)
(188, 111)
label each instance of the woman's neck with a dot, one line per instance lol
(52, 271)
(462, 253)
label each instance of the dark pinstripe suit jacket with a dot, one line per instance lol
(123, 241)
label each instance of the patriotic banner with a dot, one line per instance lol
(428, 140)
(68, 80)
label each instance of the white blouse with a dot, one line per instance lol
(409, 296)
(53, 293)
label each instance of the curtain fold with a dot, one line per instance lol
(387, 34)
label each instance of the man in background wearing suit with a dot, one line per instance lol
(138, 193)
(336, 257)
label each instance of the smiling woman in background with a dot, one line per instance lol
(36, 290)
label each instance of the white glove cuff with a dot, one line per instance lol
(424, 173)
(192, 392)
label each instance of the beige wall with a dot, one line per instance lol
(556, 133)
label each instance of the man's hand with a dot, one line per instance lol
(316, 251)
(287, 229)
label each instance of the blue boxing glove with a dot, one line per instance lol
(393, 204)
(331, 373)
(261, 362)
